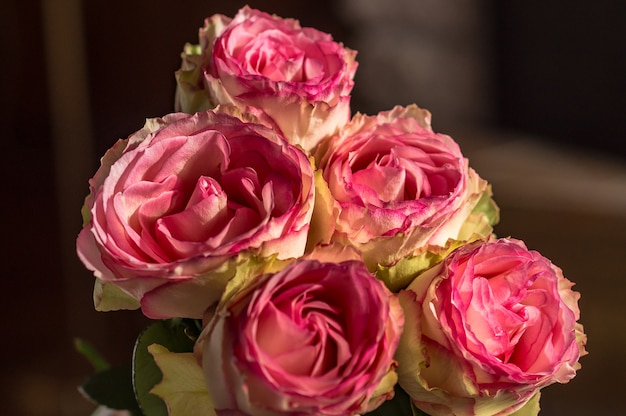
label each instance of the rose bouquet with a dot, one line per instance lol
(298, 260)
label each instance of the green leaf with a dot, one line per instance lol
(90, 352)
(400, 405)
(171, 334)
(112, 388)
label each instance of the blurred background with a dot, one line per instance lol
(533, 91)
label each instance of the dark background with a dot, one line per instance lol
(560, 69)
(558, 79)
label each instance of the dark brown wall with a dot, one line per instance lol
(560, 66)
(134, 49)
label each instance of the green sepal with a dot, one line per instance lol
(531, 408)
(172, 334)
(108, 297)
(183, 387)
(112, 388)
(248, 271)
(487, 206)
(402, 273)
(324, 216)
(190, 94)
(85, 213)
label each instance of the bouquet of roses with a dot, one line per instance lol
(298, 260)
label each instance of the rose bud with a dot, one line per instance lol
(486, 329)
(299, 76)
(400, 190)
(174, 206)
(311, 339)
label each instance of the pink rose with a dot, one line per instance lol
(299, 76)
(176, 201)
(486, 329)
(399, 188)
(312, 339)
